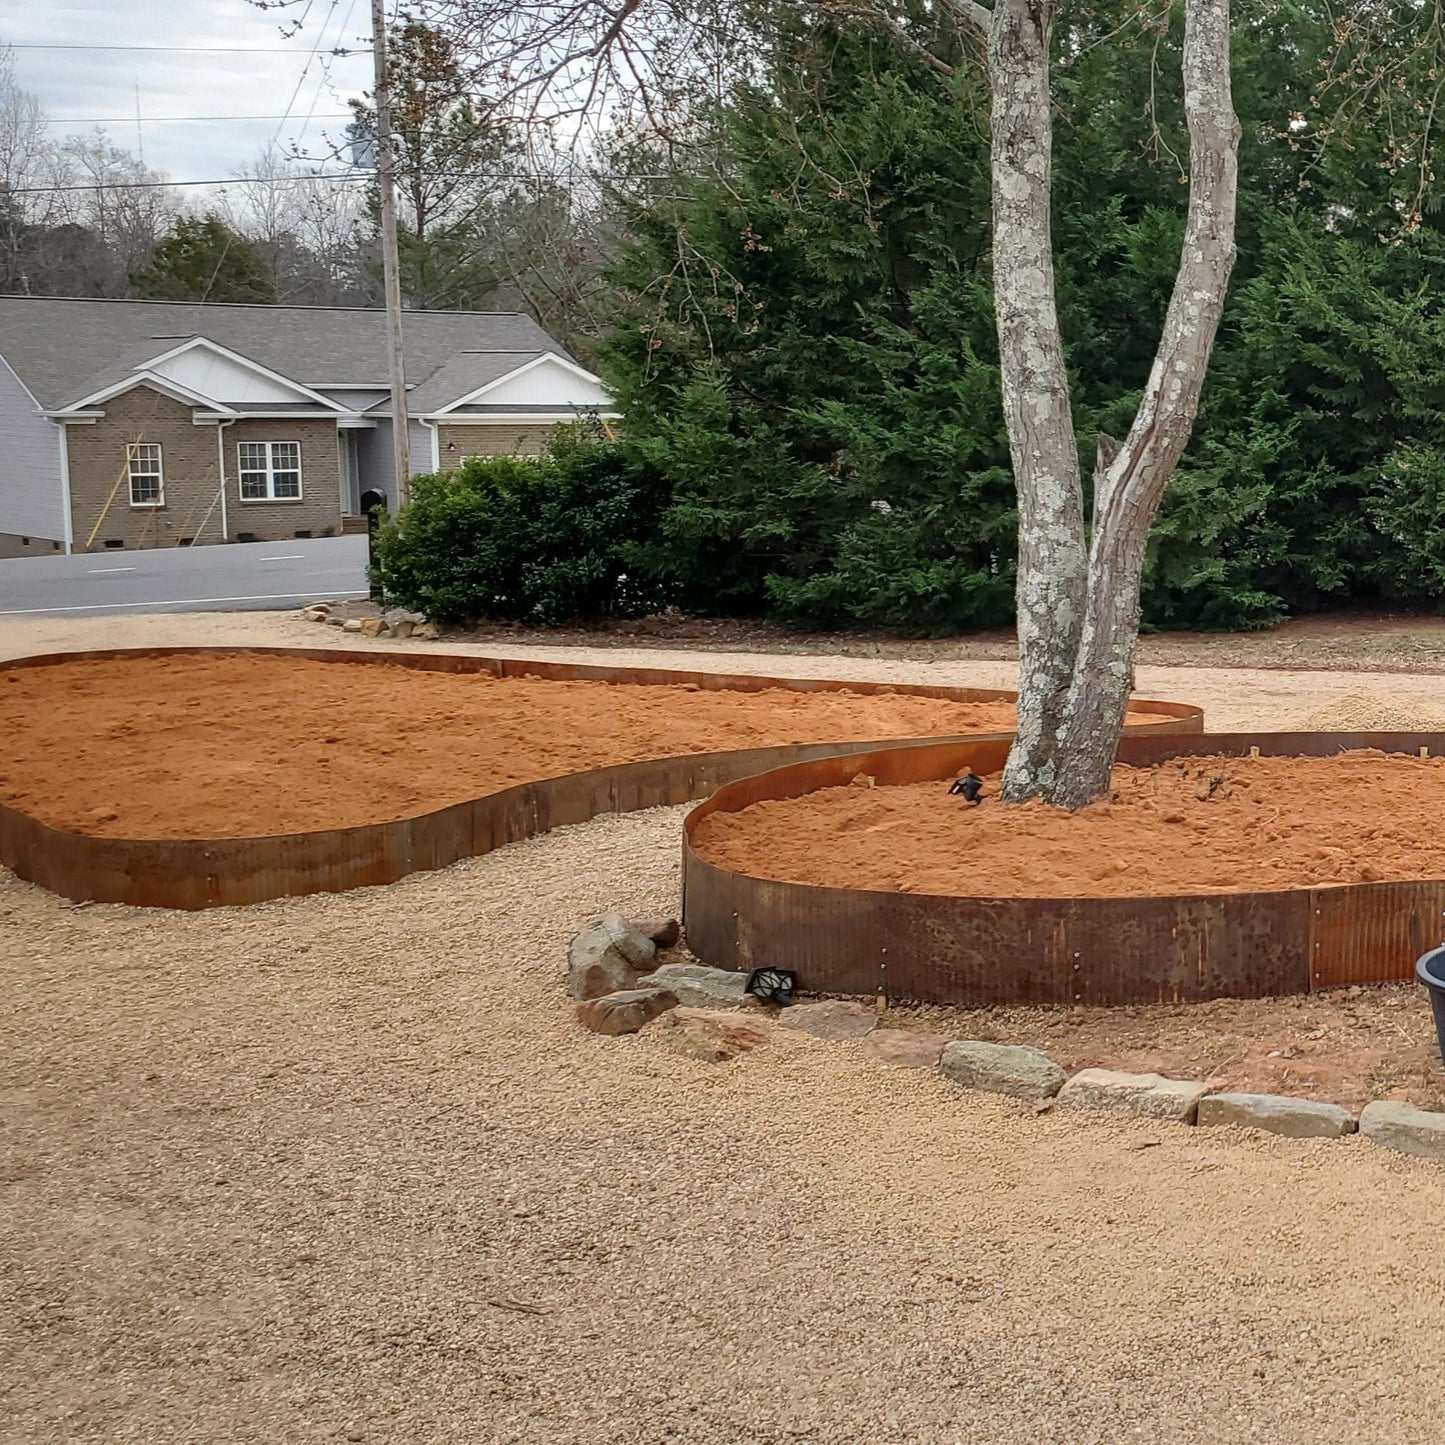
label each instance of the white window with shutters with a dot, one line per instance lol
(147, 481)
(269, 471)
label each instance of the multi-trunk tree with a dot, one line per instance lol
(1078, 581)
(1078, 576)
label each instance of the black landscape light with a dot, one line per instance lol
(773, 985)
(970, 786)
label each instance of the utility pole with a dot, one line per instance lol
(390, 268)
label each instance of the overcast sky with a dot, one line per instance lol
(79, 88)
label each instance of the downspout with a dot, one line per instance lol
(221, 462)
(65, 488)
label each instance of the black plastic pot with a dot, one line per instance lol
(1430, 970)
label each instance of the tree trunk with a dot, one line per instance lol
(1052, 551)
(1130, 488)
(1071, 740)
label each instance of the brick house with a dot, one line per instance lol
(162, 423)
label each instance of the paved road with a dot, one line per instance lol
(251, 576)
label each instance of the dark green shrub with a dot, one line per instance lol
(527, 539)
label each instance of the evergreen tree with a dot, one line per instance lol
(203, 259)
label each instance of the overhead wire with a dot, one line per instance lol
(176, 119)
(201, 49)
(305, 69)
(325, 79)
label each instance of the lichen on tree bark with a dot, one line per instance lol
(1078, 589)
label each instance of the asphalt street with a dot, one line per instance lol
(247, 576)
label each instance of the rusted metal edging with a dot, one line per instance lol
(205, 873)
(977, 952)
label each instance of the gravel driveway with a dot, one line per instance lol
(342, 1168)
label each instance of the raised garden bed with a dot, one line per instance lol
(190, 777)
(1211, 873)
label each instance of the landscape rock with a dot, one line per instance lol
(335, 621)
(702, 987)
(396, 615)
(372, 627)
(1277, 1114)
(1402, 1126)
(607, 956)
(1145, 1096)
(427, 630)
(664, 932)
(316, 614)
(834, 1019)
(1013, 1069)
(352, 624)
(905, 1048)
(715, 1037)
(625, 1012)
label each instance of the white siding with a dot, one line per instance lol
(218, 377)
(548, 383)
(31, 498)
(423, 442)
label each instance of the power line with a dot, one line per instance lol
(205, 49)
(173, 119)
(102, 185)
(360, 174)
(325, 80)
(305, 69)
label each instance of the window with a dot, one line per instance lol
(270, 471)
(147, 489)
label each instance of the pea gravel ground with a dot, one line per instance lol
(342, 1168)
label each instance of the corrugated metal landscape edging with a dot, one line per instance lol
(206, 873)
(1007, 951)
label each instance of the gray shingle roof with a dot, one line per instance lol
(59, 347)
(462, 375)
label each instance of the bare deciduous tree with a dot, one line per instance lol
(310, 230)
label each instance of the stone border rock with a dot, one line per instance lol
(1013, 1070)
(395, 622)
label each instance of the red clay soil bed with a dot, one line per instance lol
(246, 746)
(1191, 825)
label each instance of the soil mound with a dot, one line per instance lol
(1362, 712)
(1191, 825)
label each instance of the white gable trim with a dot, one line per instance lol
(551, 417)
(172, 389)
(197, 342)
(545, 359)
